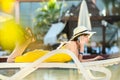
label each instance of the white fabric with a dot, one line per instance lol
(51, 36)
(84, 18)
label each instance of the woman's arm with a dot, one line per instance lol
(80, 57)
(72, 46)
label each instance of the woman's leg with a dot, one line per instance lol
(19, 49)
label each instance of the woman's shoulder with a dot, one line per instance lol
(71, 43)
(74, 42)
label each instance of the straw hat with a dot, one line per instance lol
(81, 30)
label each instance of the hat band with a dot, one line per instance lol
(80, 32)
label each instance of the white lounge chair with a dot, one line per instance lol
(84, 68)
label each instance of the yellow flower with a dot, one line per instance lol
(7, 5)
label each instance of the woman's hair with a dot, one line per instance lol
(76, 38)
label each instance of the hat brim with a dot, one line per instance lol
(87, 32)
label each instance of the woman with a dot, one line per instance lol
(76, 44)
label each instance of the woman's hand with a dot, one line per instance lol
(81, 41)
(98, 58)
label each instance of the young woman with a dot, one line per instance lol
(76, 44)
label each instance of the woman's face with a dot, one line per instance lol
(84, 38)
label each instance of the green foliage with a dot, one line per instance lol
(46, 15)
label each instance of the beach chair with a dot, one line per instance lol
(27, 68)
